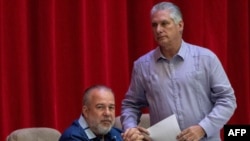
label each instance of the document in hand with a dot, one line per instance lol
(165, 130)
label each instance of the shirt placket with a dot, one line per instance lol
(176, 93)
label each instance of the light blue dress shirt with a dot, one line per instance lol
(192, 85)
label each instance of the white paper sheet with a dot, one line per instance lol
(165, 130)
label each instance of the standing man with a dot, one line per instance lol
(178, 78)
(97, 118)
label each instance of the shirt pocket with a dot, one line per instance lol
(195, 81)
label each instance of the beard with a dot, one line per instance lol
(100, 128)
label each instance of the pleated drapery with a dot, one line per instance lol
(51, 50)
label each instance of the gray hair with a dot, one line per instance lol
(87, 92)
(174, 10)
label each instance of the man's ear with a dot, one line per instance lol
(181, 26)
(85, 110)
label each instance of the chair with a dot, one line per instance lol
(144, 121)
(34, 134)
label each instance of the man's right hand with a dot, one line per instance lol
(136, 134)
(145, 133)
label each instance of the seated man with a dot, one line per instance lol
(97, 118)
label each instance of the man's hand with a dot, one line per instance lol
(192, 133)
(136, 134)
(145, 133)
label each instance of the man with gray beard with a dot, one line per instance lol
(97, 118)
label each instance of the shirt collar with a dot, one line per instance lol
(181, 53)
(85, 127)
(183, 50)
(87, 130)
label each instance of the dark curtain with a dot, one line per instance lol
(51, 50)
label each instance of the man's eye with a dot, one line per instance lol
(100, 107)
(112, 108)
(164, 23)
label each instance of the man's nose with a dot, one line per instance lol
(107, 111)
(158, 29)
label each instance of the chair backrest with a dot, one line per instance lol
(144, 121)
(34, 134)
